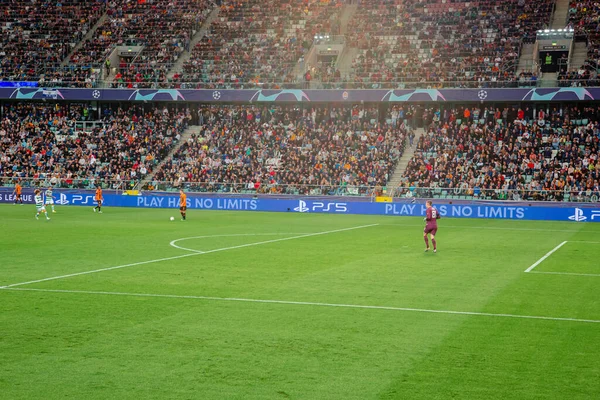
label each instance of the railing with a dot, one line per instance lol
(459, 193)
(463, 192)
(69, 183)
(263, 188)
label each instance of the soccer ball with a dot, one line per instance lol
(172, 218)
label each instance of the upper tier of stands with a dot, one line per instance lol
(439, 43)
(256, 42)
(252, 43)
(36, 35)
(164, 28)
(584, 17)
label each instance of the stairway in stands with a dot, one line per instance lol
(578, 56)
(185, 136)
(185, 56)
(344, 61)
(561, 13)
(87, 36)
(396, 178)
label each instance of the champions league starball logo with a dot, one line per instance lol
(216, 95)
(96, 94)
(482, 94)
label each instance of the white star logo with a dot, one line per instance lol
(216, 95)
(482, 94)
(96, 94)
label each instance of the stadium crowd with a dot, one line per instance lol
(429, 43)
(472, 150)
(584, 17)
(42, 141)
(286, 149)
(436, 44)
(164, 29)
(38, 35)
(256, 43)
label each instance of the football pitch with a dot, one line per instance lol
(249, 305)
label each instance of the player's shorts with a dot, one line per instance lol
(41, 209)
(49, 202)
(432, 231)
(99, 202)
(18, 196)
(182, 208)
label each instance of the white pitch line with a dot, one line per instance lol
(308, 303)
(172, 243)
(185, 255)
(583, 241)
(563, 273)
(548, 254)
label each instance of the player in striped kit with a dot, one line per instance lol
(39, 205)
(49, 198)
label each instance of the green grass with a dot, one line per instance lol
(98, 346)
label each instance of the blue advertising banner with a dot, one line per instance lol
(17, 84)
(299, 95)
(474, 209)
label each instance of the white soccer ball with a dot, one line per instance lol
(172, 218)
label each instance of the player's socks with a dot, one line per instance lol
(94, 209)
(426, 241)
(37, 216)
(434, 244)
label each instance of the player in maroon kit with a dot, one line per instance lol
(432, 215)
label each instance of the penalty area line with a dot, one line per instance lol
(548, 254)
(52, 278)
(308, 303)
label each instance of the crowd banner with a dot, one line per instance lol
(546, 211)
(303, 96)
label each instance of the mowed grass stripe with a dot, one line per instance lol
(308, 303)
(187, 255)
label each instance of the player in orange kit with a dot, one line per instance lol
(98, 199)
(17, 193)
(182, 204)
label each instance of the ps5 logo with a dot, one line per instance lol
(62, 199)
(320, 206)
(578, 216)
(79, 199)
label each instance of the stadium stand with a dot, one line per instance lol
(255, 43)
(286, 150)
(473, 151)
(442, 44)
(164, 29)
(43, 141)
(584, 16)
(38, 35)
